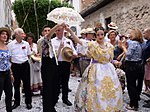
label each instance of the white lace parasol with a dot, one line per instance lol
(65, 15)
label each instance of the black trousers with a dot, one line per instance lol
(6, 85)
(134, 75)
(22, 72)
(64, 73)
(50, 77)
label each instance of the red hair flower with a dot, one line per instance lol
(24, 47)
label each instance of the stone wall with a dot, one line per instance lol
(86, 3)
(125, 13)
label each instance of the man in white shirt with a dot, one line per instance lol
(84, 60)
(59, 42)
(20, 53)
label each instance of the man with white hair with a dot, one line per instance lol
(20, 53)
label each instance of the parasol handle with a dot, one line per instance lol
(122, 58)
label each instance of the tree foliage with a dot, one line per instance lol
(26, 16)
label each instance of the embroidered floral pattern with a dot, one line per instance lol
(99, 89)
(4, 60)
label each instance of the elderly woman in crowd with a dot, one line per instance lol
(134, 68)
(35, 65)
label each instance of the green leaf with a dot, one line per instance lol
(25, 9)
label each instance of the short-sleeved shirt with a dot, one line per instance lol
(134, 52)
(19, 51)
(4, 60)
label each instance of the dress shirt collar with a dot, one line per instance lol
(88, 39)
(63, 38)
(16, 42)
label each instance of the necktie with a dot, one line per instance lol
(52, 52)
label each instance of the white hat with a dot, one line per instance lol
(90, 30)
(112, 25)
(83, 31)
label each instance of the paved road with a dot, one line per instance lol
(37, 101)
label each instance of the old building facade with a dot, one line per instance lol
(76, 4)
(86, 3)
(5, 12)
(125, 13)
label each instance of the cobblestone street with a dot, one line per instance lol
(42, 42)
(74, 81)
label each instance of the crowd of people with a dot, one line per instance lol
(46, 65)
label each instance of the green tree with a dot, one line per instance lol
(31, 14)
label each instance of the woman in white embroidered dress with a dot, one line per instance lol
(99, 89)
(35, 65)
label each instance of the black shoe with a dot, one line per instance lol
(147, 94)
(147, 105)
(147, 101)
(8, 110)
(15, 106)
(67, 102)
(29, 106)
(69, 90)
(128, 107)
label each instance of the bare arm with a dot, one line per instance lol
(124, 48)
(75, 38)
(52, 31)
